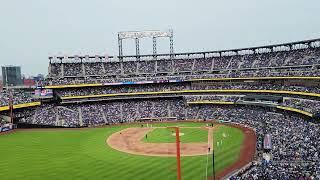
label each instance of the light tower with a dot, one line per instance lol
(137, 35)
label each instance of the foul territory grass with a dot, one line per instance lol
(83, 154)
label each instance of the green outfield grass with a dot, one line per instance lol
(83, 154)
(164, 135)
(228, 150)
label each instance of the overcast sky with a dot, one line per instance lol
(31, 30)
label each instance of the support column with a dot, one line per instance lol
(171, 43)
(156, 67)
(120, 47)
(137, 48)
(154, 45)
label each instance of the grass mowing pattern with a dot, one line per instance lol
(164, 135)
(83, 154)
(227, 153)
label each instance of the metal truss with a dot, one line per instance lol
(137, 35)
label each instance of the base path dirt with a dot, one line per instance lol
(130, 141)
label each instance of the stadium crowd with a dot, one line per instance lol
(220, 97)
(295, 152)
(308, 105)
(283, 63)
(18, 97)
(160, 87)
(295, 140)
(295, 145)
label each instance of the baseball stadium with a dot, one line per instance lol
(249, 113)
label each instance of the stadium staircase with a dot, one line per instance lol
(193, 64)
(272, 61)
(121, 67)
(34, 118)
(229, 63)
(80, 116)
(186, 112)
(255, 62)
(197, 115)
(137, 114)
(103, 115)
(58, 121)
(121, 111)
(103, 69)
(212, 65)
(240, 63)
(62, 70)
(83, 69)
(156, 67)
(153, 107)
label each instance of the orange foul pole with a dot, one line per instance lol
(178, 152)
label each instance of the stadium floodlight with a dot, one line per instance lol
(142, 34)
(136, 35)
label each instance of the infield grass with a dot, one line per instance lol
(165, 135)
(84, 154)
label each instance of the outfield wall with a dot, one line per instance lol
(36, 126)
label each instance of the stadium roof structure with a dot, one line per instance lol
(256, 49)
(136, 35)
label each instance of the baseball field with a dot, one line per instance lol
(102, 153)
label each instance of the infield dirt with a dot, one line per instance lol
(129, 141)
